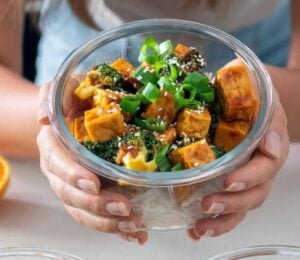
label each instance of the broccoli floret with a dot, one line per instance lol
(106, 150)
(142, 138)
(110, 77)
(218, 151)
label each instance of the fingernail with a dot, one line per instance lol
(216, 208)
(209, 233)
(236, 186)
(133, 239)
(273, 144)
(117, 208)
(127, 226)
(87, 186)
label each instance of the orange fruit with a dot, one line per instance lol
(4, 175)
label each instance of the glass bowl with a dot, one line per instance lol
(165, 200)
(18, 253)
(269, 252)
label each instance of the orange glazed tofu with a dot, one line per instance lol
(123, 67)
(193, 123)
(166, 137)
(104, 124)
(79, 130)
(236, 93)
(193, 155)
(163, 108)
(181, 50)
(230, 134)
(104, 97)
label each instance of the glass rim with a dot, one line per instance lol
(35, 251)
(224, 164)
(261, 250)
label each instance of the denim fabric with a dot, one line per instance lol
(62, 32)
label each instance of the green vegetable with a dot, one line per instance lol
(149, 51)
(106, 150)
(145, 76)
(185, 97)
(140, 139)
(165, 48)
(177, 167)
(202, 86)
(218, 151)
(162, 160)
(130, 104)
(151, 123)
(110, 77)
(167, 84)
(162, 68)
(151, 92)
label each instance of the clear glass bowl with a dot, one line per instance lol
(165, 200)
(18, 253)
(269, 252)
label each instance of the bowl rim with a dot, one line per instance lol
(226, 163)
(35, 251)
(260, 250)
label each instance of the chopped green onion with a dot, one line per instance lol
(161, 66)
(202, 86)
(151, 92)
(149, 51)
(130, 104)
(218, 151)
(165, 48)
(151, 123)
(167, 84)
(207, 96)
(144, 76)
(181, 99)
(162, 160)
(177, 167)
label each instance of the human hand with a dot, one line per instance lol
(80, 190)
(247, 187)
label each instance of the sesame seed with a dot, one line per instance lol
(203, 141)
(196, 164)
(160, 109)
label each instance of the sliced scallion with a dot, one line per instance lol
(151, 123)
(151, 92)
(144, 75)
(130, 104)
(149, 51)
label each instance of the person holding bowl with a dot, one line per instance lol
(79, 189)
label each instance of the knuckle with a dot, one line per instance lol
(63, 192)
(94, 203)
(106, 225)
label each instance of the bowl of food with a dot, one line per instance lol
(151, 109)
(21, 253)
(265, 252)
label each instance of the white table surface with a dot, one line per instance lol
(31, 216)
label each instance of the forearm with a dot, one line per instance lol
(294, 56)
(18, 122)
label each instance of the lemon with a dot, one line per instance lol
(4, 175)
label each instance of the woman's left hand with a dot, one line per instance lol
(247, 187)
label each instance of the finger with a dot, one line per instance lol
(275, 142)
(42, 112)
(226, 203)
(212, 227)
(60, 163)
(138, 237)
(259, 170)
(109, 224)
(104, 203)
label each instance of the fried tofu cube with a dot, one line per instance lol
(163, 108)
(230, 134)
(104, 97)
(193, 155)
(236, 93)
(78, 130)
(181, 50)
(166, 137)
(193, 123)
(85, 89)
(123, 67)
(104, 124)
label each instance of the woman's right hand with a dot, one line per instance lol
(80, 190)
